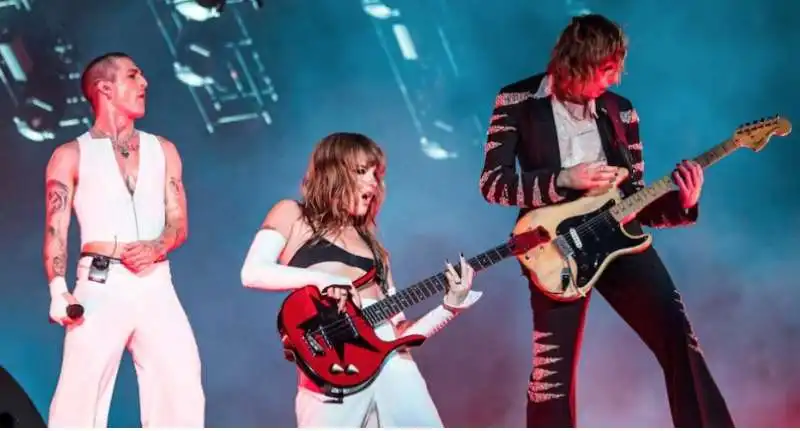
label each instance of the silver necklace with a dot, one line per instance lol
(121, 145)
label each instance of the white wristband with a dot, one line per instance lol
(58, 286)
(439, 317)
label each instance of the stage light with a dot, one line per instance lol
(577, 8)
(37, 86)
(199, 10)
(378, 10)
(435, 151)
(37, 120)
(42, 106)
(193, 66)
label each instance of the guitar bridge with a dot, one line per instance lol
(563, 246)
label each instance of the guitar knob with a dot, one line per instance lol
(336, 369)
(351, 369)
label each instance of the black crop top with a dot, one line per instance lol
(313, 252)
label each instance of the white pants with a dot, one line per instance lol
(142, 313)
(397, 398)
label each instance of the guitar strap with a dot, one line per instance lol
(378, 271)
(620, 141)
(366, 278)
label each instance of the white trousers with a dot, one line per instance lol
(140, 312)
(397, 398)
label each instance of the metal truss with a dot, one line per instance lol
(16, 4)
(221, 68)
(427, 74)
(43, 85)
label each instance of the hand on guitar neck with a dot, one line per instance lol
(688, 176)
(597, 178)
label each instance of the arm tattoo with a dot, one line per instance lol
(58, 209)
(58, 252)
(59, 265)
(175, 229)
(55, 241)
(56, 196)
(175, 186)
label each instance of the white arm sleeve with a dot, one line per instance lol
(439, 317)
(261, 269)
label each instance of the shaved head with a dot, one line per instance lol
(102, 68)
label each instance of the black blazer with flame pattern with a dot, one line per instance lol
(522, 129)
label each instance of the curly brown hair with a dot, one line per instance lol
(329, 187)
(583, 46)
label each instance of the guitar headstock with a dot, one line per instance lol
(756, 134)
(522, 242)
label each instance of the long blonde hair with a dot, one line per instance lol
(329, 188)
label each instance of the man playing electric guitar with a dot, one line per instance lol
(564, 128)
(328, 240)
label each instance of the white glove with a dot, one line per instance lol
(58, 300)
(436, 319)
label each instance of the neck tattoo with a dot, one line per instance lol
(122, 145)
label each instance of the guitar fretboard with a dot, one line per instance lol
(644, 197)
(414, 294)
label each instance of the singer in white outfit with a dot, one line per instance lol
(126, 189)
(329, 238)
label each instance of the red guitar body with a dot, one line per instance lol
(339, 351)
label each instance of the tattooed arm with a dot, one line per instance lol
(59, 189)
(141, 254)
(177, 224)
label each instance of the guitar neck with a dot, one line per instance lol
(644, 197)
(392, 305)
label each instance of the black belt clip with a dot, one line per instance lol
(98, 270)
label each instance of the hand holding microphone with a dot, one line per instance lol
(64, 308)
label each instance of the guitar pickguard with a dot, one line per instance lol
(589, 239)
(330, 331)
(338, 351)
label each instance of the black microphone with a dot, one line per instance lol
(75, 311)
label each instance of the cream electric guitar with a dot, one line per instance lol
(586, 235)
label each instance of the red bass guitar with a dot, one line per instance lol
(341, 352)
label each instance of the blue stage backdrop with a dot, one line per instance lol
(695, 71)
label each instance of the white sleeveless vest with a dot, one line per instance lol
(106, 211)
